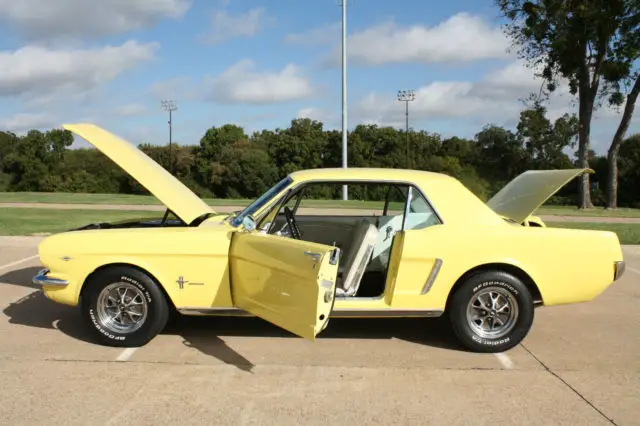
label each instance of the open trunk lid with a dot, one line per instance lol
(523, 195)
(168, 189)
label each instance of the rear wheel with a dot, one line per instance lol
(491, 312)
(124, 307)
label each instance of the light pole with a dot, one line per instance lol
(169, 106)
(345, 192)
(407, 96)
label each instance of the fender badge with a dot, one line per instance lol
(181, 282)
(66, 258)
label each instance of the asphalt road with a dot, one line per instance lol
(580, 365)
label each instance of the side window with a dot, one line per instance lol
(420, 214)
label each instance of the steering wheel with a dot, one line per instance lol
(293, 225)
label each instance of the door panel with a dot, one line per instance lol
(287, 282)
(410, 265)
(327, 229)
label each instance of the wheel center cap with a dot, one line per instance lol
(492, 313)
(122, 307)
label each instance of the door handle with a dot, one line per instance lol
(313, 255)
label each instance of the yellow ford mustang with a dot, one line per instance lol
(430, 247)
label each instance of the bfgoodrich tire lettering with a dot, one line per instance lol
(124, 307)
(491, 311)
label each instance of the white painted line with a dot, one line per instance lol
(634, 270)
(504, 359)
(17, 262)
(126, 354)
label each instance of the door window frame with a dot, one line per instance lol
(296, 188)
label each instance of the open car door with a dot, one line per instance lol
(287, 282)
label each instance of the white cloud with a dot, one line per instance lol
(130, 110)
(48, 19)
(461, 38)
(224, 26)
(327, 34)
(39, 72)
(494, 98)
(241, 83)
(20, 123)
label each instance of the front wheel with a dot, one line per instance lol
(491, 312)
(124, 307)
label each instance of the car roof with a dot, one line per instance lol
(368, 173)
(453, 201)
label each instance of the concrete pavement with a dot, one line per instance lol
(579, 365)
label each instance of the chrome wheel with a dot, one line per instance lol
(492, 312)
(121, 308)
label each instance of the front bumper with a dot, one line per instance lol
(620, 266)
(43, 280)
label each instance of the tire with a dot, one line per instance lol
(511, 327)
(147, 306)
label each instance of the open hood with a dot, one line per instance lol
(169, 190)
(528, 191)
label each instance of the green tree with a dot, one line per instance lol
(618, 138)
(630, 171)
(212, 144)
(580, 40)
(544, 142)
(503, 156)
(243, 170)
(37, 160)
(8, 143)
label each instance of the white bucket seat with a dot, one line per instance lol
(356, 258)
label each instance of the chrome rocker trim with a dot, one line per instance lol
(336, 313)
(42, 280)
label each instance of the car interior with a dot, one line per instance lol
(364, 233)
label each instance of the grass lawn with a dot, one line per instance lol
(26, 221)
(573, 211)
(70, 198)
(628, 233)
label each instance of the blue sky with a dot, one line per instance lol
(259, 64)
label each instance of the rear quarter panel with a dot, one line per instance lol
(567, 265)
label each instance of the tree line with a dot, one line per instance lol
(228, 163)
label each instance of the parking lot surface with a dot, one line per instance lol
(580, 365)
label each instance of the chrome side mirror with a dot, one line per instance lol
(249, 223)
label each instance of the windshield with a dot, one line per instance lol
(261, 201)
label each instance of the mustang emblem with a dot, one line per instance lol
(181, 282)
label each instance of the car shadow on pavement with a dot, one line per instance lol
(35, 310)
(199, 331)
(205, 333)
(21, 277)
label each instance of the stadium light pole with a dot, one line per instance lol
(407, 96)
(345, 191)
(169, 106)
